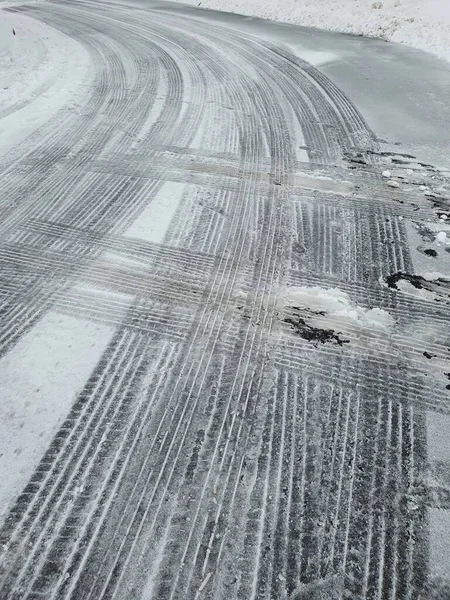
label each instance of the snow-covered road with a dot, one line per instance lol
(224, 311)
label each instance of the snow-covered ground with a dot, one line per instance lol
(423, 24)
(41, 71)
(40, 379)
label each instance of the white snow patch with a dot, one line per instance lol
(394, 184)
(441, 237)
(39, 380)
(423, 24)
(41, 71)
(154, 221)
(338, 306)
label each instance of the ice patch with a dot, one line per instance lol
(423, 24)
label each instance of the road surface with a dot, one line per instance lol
(224, 333)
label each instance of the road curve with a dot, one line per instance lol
(212, 202)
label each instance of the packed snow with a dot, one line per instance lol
(423, 24)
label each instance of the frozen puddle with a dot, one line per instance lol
(39, 380)
(154, 221)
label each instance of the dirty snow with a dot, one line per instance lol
(337, 305)
(423, 24)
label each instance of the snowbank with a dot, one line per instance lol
(423, 24)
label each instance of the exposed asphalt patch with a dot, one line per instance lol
(439, 286)
(314, 334)
(415, 280)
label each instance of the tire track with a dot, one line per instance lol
(107, 211)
